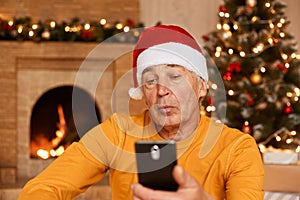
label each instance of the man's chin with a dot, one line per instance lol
(169, 120)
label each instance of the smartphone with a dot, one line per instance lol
(155, 162)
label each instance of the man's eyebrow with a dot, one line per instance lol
(147, 70)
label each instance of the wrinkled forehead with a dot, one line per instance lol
(166, 68)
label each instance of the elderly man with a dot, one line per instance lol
(214, 161)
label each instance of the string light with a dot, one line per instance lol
(235, 27)
(242, 54)
(35, 26)
(230, 51)
(31, 33)
(230, 92)
(52, 24)
(282, 134)
(287, 65)
(119, 26)
(214, 86)
(210, 108)
(271, 25)
(20, 29)
(87, 26)
(136, 33)
(270, 40)
(289, 140)
(254, 19)
(282, 34)
(263, 69)
(218, 51)
(279, 25)
(297, 91)
(278, 138)
(67, 28)
(268, 5)
(102, 21)
(284, 56)
(219, 26)
(126, 29)
(255, 50)
(50, 30)
(10, 23)
(226, 27)
(298, 149)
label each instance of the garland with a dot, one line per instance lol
(23, 29)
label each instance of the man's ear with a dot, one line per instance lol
(202, 88)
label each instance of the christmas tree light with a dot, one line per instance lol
(258, 61)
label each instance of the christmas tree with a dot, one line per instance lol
(258, 62)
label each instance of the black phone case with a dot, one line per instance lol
(155, 163)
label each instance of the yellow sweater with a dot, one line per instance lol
(225, 161)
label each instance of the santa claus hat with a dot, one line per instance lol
(166, 44)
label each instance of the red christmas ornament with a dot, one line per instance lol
(246, 128)
(236, 66)
(222, 9)
(210, 101)
(250, 101)
(288, 109)
(130, 23)
(227, 76)
(281, 67)
(248, 10)
(7, 27)
(87, 34)
(205, 38)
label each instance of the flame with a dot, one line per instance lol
(43, 153)
(58, 152)
(50, 147)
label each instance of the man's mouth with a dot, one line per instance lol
(166, 108)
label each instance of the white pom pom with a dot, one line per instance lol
(135, 93)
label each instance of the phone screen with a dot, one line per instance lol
(155, 163)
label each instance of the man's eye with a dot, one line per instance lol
(151, 83)
(175, 77)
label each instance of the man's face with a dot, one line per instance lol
(172, 94)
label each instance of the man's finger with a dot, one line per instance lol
(140, 192)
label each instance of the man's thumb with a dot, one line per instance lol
(183, 178)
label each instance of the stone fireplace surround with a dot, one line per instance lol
(35, 68)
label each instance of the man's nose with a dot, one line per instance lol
(163, 90)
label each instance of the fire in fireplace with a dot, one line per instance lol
(57, 120)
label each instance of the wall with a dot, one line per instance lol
(60, 10)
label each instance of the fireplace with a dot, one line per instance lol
(52, 123)
(50, 68)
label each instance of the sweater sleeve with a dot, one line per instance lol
(66, 177)
(244, 172)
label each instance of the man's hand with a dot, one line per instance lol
(188, 188)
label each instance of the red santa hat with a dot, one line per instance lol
(166, 44)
